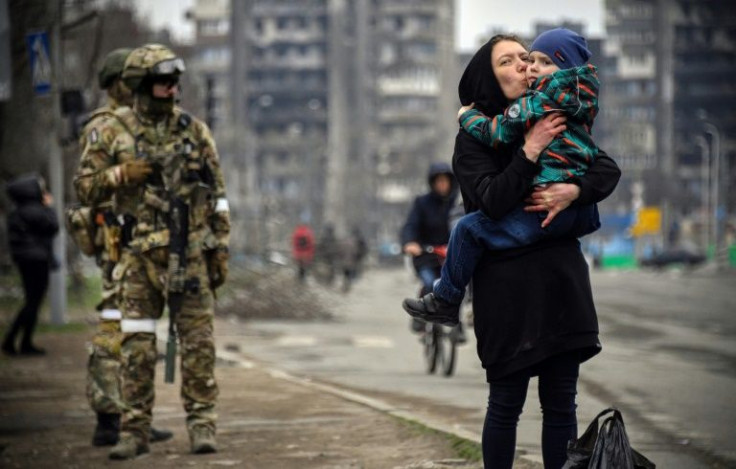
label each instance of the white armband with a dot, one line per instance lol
(222, 205)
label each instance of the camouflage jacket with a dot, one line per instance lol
(186, 165)
(574, 92)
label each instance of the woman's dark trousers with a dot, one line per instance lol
(558, 377)
(35, 277)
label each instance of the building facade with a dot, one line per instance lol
(337, 108)
(668, 104)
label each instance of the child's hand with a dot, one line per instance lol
(465, 108)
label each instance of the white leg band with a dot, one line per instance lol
(222, 205)
(138, 325)
(111, 315)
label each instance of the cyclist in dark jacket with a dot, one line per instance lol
(428, 223)
(32, 226)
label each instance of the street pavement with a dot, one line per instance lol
(267, 420)
(668, 361)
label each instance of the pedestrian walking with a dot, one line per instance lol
(160, 167)
(92, 234)
(533, 306)
(353, 250)
(302, 249)
(32, 226)
(326, 255)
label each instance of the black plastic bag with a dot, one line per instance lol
(605, 448)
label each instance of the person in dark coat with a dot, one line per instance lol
(353, 249)
(533, 306)
(428, 223)
(326, 255)
(32, 226)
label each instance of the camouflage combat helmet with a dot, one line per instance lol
(150, 60)
(112, 67)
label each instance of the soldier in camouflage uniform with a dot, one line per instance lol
(141, 160)
(103, 367)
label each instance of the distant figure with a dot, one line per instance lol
(32, 226)
(353, 250)
(326, 255)
(302, 249)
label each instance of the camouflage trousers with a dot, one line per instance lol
(103, 366)
(142, 299)
(103, 369)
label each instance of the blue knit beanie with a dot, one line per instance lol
(566, 48)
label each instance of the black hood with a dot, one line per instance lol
(435, 169)
(479, 84)
(25, 189)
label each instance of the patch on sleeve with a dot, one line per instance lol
(94, 136)
(514, 111)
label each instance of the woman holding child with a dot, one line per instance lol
(533, 305)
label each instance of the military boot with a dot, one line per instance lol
(128, 448)
(202, 439)
(107, 429)
(160, 434)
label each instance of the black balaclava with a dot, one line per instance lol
(154, 108)
(479, 84)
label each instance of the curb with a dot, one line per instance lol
(373, 403)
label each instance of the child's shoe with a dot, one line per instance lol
(433, 309)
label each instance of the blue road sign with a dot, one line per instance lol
(40, 59)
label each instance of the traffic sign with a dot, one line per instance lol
(40, 59)
(648, 222)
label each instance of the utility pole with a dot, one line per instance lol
(242, 140)
(704, 189)
(57, 283)
(337, 130)
(717, 214)
(665, 109)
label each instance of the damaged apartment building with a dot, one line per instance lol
(330, 111)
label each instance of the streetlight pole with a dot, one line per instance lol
(704, 189)
(715, 134)
(57, 278)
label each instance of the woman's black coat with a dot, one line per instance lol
(533, 302)
(31, 225)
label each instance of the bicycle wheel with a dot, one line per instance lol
(449, 355)
(432, 347)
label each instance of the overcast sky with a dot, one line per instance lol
(474, 18)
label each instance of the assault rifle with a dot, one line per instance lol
(177, 284)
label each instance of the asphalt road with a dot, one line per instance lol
(669, 360)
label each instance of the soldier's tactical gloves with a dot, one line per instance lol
(217, 267)
(130, 172)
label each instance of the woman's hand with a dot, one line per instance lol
(552, 198)
(542, 133)
(413, 249)
(464, 109)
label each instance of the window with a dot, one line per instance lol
(217, 27)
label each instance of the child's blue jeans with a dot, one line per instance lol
(474, 233)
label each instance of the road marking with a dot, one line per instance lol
(296, 341)
(370, 341)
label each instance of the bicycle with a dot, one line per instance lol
(439, 342)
